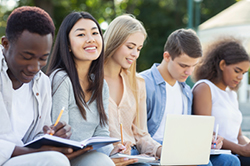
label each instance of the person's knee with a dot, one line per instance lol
(208, 164)
(230, 160)
(106, 160)
(56, 158)
(48, 158)
(92, 158)
(233, 161)
(225, 160)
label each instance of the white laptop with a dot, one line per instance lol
(187, 140)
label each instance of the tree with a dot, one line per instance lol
(160, 17)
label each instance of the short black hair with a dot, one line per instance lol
(32, 19)
(183, 41)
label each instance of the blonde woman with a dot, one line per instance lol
(123, 42)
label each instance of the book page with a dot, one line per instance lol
(98, 140)
(219, 151)
(53, 141)
(141, 158)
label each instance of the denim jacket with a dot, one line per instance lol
(42, 106)
(156, 97)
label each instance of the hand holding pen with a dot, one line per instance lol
(57, 120)
(216, 134)
(125, 147)
(63, 130)
(60, 129)
(217, 140)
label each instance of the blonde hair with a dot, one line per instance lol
(117, 33)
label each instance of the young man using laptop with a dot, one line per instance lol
(167, 92)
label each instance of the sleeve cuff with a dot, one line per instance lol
(6, 150)
(155, 150)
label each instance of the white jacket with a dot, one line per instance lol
(41, 89)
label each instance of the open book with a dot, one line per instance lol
(96, 142)
(219, 151)
(141, 158)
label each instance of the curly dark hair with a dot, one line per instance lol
(228, 49)
(32, 19)
(183, 41)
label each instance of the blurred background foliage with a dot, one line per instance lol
(160, 17)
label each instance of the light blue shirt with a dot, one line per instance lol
(156, 97)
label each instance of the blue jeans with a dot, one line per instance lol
(209, 164)
(224, 160)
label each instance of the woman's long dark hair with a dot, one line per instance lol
(61, 58)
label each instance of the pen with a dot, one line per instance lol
(121, 133)
(216, 134)
(59, 117)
